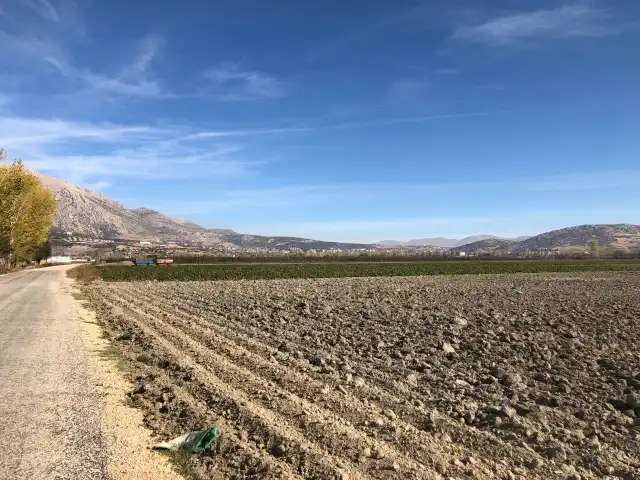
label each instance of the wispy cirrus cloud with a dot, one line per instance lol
(231, 82)
(247, 132)
(381, 122)
(566, 21)
(43, 38)
(37, 43)
(133, 80)
(20, 47)
(59, 147)
(91, 169)
(90, 153)
(45, 9)
(147, 50)
(22, 132)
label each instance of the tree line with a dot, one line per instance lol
(26, 213)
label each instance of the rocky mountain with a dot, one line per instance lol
(85, 213)
(90, 214)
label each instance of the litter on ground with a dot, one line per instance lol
(193, 442)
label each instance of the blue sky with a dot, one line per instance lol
(347, 120)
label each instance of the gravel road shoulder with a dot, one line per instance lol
(125, 438)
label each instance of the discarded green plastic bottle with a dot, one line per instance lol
(193, 442)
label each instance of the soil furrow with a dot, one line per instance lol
(280, 437)
(331, 432)
(617, 437)
(460, 440)
(370, 416)
(158, 385)
(525, 376)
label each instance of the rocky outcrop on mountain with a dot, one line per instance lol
(81, 212)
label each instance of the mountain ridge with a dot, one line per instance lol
(85, 213)
(620, 236)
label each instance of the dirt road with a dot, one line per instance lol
(48, 412)
(62, 409)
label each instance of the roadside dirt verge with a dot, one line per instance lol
(126, 439)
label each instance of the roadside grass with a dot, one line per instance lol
(114, 354)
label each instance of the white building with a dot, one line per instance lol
(62, 260)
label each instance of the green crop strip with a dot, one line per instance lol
(115, 273)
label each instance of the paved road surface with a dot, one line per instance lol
(49, 411)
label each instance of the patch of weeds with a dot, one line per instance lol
(181, 460)
(114, 354)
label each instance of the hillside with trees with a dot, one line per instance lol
(26, 213)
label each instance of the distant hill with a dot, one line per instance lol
(615, 236)
(623, 236)
(286, 243)
(85, 213)
(441, 241)
(490, 245)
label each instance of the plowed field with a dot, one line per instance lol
(493, 376)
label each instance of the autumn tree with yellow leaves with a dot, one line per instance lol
(26, 212)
